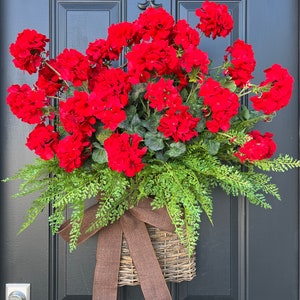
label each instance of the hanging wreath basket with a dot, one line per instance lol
(172, 255)
(166, 124)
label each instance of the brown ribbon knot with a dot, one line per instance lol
(132, 225)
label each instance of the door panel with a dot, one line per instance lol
(78, 23)
(19, 260)
(273, 235)
(248, 254)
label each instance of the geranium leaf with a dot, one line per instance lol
(154, 141)
(152, 122)
(201, 125)
(176, 149)
(101, 135)
(99, 155)
(135, 120)
(137, 91)
(161, 156)
(213, 147)
(131, 116)
(244, 113)
(229, 84)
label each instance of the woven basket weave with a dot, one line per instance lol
(172, 256)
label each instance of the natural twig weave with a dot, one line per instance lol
(172, 256)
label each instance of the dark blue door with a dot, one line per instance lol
(249, 253)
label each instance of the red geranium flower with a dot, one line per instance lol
(73, 66)
(195, 58)
(110, 96)
(280, 85)
(76, 115)
(184, 35)
(27, 50)
(99, 52)
(242, 62)
(124, 154)
(27, 104)
(162, 94)
(260, 146)
(43, 140)
(72, 151)
(179, 124)
(156, 58)
(155, 23)
(220, 105)
(215, 19)
(48, 79)
(121, 35)
(93, 74)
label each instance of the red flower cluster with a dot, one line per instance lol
(194, 58)
(99, 52)
(279, 85)
(215, 19)
(184, 35)
(121, 35)
(242, 62)
(76, 115)
(260, 146)
(27, 49)
(160, 96)
(72, 151)
(179, 124)
(156, 24)
(43, 140)
(124, 154)
(151, 59)
(110, 96)
(219, 104)
(27, 104)
(73, 66)
(48, 79)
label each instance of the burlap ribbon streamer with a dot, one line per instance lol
(132, 225)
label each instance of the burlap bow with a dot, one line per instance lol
(132, 225)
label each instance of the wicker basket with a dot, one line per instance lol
(172, 256)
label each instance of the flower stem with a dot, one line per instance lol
(56, 72)
(191, 92)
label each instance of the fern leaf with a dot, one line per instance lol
(280, 164)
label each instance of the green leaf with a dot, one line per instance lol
(133, 123)
(154, 141)
(176, 149)
(102, 135)
(137, 90)
(135, 120)
(229, 84)
(99, 154)
(184, 93)
(201, 125)
(152, 122)
(160, 155)
(244, 113)
(213, 147)
(130, 113)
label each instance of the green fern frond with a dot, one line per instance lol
(56, 219)
(115, 198)
(262, 182)
(75, 221)
(183, 185)
(280, 164)
(247, 124)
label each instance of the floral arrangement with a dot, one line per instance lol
(165, 124)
